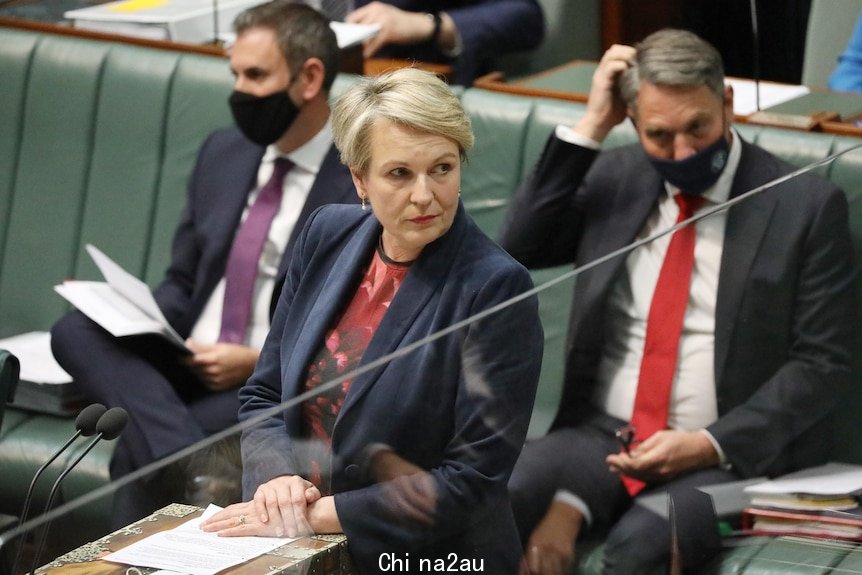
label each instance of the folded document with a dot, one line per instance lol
(123, 305)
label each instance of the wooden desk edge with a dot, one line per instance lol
(350, 58)
(87, 559)
(44, 27)
(496, 82)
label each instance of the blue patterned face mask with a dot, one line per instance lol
(696, 173)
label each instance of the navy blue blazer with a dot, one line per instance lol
(488, 28)
(458, 407)
(225, 172)
(785, 307)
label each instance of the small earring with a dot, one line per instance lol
(363, 203)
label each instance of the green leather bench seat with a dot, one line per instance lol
(97, 142)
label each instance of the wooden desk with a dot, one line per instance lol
(315, 555)
(377, 66)
(350, 58)
(836, 113)
(569, 81)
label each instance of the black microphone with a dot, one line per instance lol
(85, 424)
(109, 426)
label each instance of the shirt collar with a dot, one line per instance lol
(309, 156)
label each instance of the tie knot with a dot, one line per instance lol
(688, 204)
(280, 167)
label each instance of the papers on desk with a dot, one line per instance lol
(123, 304)
(771, 94)
(33, 350)
(43, 385)
(191, 21)
(187, 549)
(831, 479)
(832, 486)
(816, 502)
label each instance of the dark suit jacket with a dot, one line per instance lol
(488, 28)
(458, 407)
(225, 172)
(785, 309)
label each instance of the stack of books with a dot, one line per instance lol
(817, 502)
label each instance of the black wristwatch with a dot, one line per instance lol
(435, 18)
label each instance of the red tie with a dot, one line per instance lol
(664, 325)
(242, 264)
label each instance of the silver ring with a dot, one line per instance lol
(241, 519)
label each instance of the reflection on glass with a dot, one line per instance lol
(415, 470)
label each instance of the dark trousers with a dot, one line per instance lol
(169, 408)
(573, 459)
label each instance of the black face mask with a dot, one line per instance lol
(696, 173)
(263, 119)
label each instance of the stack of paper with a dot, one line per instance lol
(44, 386)
(821, 501)
(189, 21)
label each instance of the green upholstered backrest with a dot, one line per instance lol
(97, 141)
(493, 168)
(102, 138)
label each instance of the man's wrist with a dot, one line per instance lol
(436, 24)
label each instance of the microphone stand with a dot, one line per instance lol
(109, 427)
(755, 37)
(86, 425)
(215, 24)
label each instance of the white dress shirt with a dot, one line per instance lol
(307, 160)
(693, 397)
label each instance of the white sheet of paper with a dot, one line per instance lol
(187, 549)
(771, 94)
(128, 285)
(101, 303)
(349, 34)
(123, 304)
(830, 479)
(33, 350)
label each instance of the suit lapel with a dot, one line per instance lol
(334, 295)
(632, 205)
(332, 185)
(421, 283)
(746, 225)
(231, 192)
(227, 192)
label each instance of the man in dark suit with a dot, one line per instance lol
(762, 343)
(284, 60)
(469, 35)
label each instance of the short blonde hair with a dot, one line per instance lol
(408, 96)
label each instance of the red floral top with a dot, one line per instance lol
(344, 346)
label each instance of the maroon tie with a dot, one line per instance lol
(242, 264)
(664, 326)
